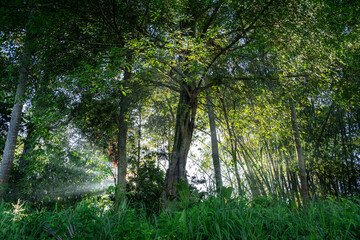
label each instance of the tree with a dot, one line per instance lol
(192, 46)
(8, 155)
(300, 155)
(214, 143)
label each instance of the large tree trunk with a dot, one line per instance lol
(300, 155)
(185, 120)
(214, 144)
(8, 155)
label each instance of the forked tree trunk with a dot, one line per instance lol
(300, 155)
(214, 144)
(185, 120)
(8, 155)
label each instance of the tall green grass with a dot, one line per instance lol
(210, 219)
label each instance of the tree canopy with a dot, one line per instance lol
(139, 94)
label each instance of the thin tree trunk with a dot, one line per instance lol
(139, 145)
(8, 155)
(251, 177)
(254, 170)
(27, 144)
(300, 155)
(185, 120)
(344, 149)
(233, 146)
(122, 143)
(291, 189)
(229, 179)
(214, 144)
(274, 173)
(254, 173)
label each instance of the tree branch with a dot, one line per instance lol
(238, 36)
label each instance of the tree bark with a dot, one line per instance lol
(10, 144)
(214, 144)
(300, 155)
(185, 122)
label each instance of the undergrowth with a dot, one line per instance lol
(209, 219)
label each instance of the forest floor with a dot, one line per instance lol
(209, 219)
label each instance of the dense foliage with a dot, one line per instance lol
(185, 119)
